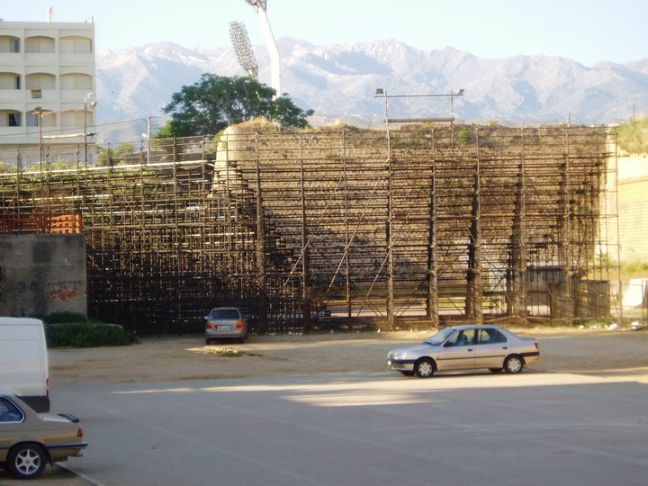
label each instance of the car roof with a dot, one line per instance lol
(475, 326)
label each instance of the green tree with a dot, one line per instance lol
(118, 155)
(215, 102)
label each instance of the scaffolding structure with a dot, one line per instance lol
(325, 228)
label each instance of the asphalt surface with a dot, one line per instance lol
(56, 475)
(364, 429)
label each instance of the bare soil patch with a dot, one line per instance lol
(604, 353)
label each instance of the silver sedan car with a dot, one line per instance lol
(225, 323)
(466, 347)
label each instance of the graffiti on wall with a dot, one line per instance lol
(61, 289)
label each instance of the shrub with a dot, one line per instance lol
(64, 317)
(85, 334)
(464, 136)
(633, 136)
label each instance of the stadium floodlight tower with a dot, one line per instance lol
(243, 49)
(275, 62)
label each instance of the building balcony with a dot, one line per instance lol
(76, 59)
(41, 94)
(41, 58)
(74, 95)
(16, 135)
(11, 95)
(11, 59)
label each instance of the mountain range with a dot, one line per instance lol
(339, 82)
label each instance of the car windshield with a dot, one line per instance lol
(224, 314)
(440, 336)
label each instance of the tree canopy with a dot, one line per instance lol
(214, 102)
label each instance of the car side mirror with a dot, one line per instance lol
(206, 317)
(447, 344)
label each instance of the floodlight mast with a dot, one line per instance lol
(275, 61)
(243, 49)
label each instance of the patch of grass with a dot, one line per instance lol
(634, 267)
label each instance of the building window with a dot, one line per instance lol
(9, 81)
(9, 43)
(75, 45)
(76, 81)
(48, 118)
(73, 119)
(41, 81)
(10, 118)
(39, 44)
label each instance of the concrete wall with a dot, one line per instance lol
(633, 209)
(41, 274)
(633, 220)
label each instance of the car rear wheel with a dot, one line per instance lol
(27, 461)
(513, 364)
(208, 340)
(424, 368)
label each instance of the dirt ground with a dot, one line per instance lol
(603, 353)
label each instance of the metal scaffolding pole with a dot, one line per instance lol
(260, 243)
(432, 301)
(306, 308)
(474, 297)
(347, 242)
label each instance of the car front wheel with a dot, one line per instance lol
(27, 461)
(513, 364)
(424, 368)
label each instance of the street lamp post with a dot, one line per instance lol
(85, 126)
(38, 112)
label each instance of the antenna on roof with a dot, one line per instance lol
(243, 49)
(275, 61)
(50, 14)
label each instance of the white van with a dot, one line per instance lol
(24, 368)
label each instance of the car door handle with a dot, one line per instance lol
(504, 347)
(469, 349)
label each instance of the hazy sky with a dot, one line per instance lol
(587, 31)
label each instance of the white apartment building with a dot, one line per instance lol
(47, 86)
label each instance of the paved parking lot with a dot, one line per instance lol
(365, 428)
(57, 475)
